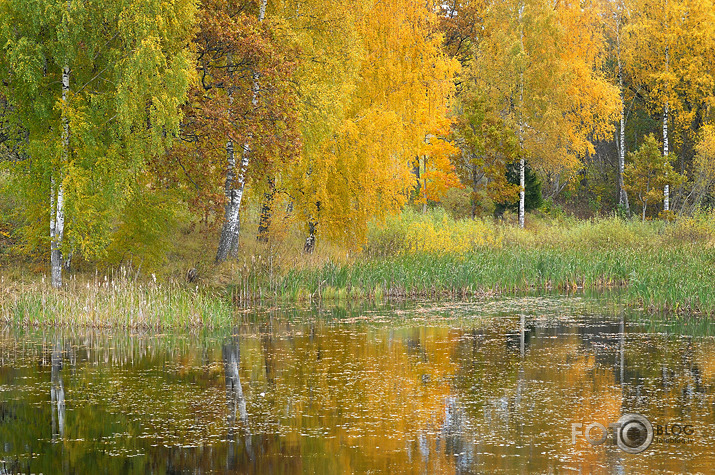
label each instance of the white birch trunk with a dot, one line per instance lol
(522, 181)
(666, 190)
(424, 204)
(57, 210)
(522, 192)
(622, 194)
(234, 194)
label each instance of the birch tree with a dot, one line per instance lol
(361, 167)
(670, 47)
(96, 86)
(236, 177)
(539, 67)
(647, 172)
(241, 120)
(616, 17)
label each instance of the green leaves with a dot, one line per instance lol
(129, 73)
(647, 172)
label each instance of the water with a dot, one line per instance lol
(466, 388)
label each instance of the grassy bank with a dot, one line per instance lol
(660, 266)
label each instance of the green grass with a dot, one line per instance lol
(117, 303)
(674, 279)
(658, 266)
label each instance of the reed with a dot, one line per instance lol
(113, 302)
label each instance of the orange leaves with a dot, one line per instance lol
(669, 51)
(538, 68)
(439, 173)
(233, 48)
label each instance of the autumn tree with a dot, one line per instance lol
(616, 15)
(241, 119)
(361, 167)
(96, 88)
(487, 147)
(647, 172)
(330, 55)
(669, 51)
(704, 176)
(461, 22)
(435, 172)
(539, 68)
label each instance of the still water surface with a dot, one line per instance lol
(460, 388)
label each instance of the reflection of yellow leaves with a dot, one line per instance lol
(705, 357)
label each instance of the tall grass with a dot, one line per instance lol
(116, 302)
(660, 265)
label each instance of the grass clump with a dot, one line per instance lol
(116, 302)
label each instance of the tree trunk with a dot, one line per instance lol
(522, 181)
(309, 246)
(622, 194)
(416, 171)
(475, 184)
(233, 202)
(666, 190)
(228, 242)
(522, 193)
(57, 205)
(424, 187)
(266, 212)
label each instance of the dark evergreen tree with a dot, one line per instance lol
(533, 199)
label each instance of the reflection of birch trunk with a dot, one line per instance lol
(623, 350)
(57, 393)
(228, 242)
(234, 392)
(235, 400)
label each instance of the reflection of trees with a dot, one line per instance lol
(357, 397)
(268, 348)
(234, 392)
(57, 392)
(235, 400)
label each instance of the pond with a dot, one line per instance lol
(506, 386)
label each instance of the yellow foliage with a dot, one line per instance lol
(435, 233)
(449, 236)
(399, 96)
(705, 158)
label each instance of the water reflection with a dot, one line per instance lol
(57, 393)
(437, 390)
(235, 401)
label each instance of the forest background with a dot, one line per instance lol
(359, 148)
